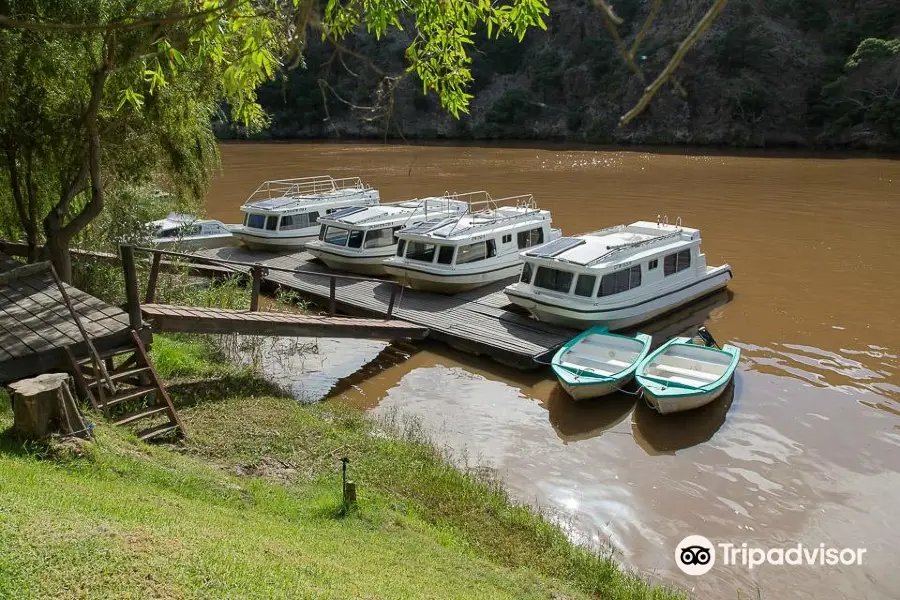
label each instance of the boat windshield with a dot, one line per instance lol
(336, 235)
(255, 221)
(420, 251)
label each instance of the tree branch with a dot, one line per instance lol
(686, 45)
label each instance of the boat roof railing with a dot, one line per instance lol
(480, 206)
(613, 250)
(303, 186)
(488, 212)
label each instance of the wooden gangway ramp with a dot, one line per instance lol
(188, 319)
(477, 321)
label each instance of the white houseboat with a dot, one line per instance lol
(360, 238)
(617, 277)
(284, 214)
(187, 232)
(479, 247)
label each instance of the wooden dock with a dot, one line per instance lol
(479, 321)
(36, 327)
(187, 319)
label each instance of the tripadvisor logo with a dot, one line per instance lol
(696, 555)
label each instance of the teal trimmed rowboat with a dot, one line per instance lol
(682, 375)
(597, 362)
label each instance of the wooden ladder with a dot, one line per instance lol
(134, 383)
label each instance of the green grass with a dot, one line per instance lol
(250, 507)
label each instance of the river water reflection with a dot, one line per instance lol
(805, 448)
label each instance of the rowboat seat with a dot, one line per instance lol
(708, 377)
(618, 363)
(695, 383)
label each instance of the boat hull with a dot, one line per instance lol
(273, 244)
(450, 283)
(192, 244)
(689, 384)
(364, 265)
(599, 389)
(666, 405)
(596, 363)
(621, 318)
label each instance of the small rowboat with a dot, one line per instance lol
(596, 362)
(682, 375)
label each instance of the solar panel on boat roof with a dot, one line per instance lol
(555, 247)
(424, 226)
(346, 212)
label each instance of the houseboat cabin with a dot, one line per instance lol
(359, 239)
(476, 248)
(187, 232)
(284, 214)
(617, 277)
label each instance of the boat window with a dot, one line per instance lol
(620, 281)
(491, 248)
(585, 285)
(471, 253)
(553, 279)
(356, 238)
(676, 262)
(256, 221)
(168, 233)
(684, 259)
(420, 251)
(322, 232)
(313, 217)
(401, 246)
(336, 235)
(507, 238)
(379, 238)
(396, 229)
(526, 273)
(272, 223)
(445, 254)
(532, 237)
(635, 277)
(653, 264)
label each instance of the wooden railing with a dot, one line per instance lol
(257, 271)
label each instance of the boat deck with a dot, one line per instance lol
(478, 321)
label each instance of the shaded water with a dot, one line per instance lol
(804, 449)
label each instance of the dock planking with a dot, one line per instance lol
(35, 325)
(477, 321)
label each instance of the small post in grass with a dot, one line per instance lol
(349, 488)
(257, 272)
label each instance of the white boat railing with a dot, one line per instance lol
(304, 186)
(490, 214)
(632, 245)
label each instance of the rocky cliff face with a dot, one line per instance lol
(768, 73)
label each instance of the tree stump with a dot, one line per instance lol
(44, 405)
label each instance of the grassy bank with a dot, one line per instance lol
(250, 506)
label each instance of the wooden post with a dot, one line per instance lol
(257, 272)
(331, 303)
(154, 276)
(390, 311)
(131, 287)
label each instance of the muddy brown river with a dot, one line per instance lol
(804, 450)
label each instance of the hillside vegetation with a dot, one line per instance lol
(768, 73)
(250, 507)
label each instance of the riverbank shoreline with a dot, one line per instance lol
(563, 145)
(254, 454)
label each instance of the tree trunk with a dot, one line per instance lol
(45, 405)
